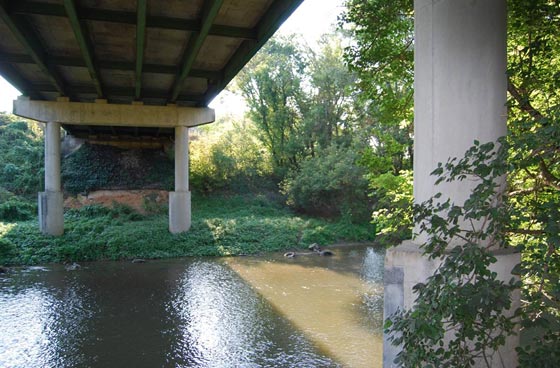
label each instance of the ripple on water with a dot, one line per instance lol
(186, 313)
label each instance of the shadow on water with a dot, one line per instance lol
(336, 301)
(221, 320)
(165, 313)
(187, 313)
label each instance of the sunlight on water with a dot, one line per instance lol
(41, 325)
(24, 316)
(304, 312)
(225, 324)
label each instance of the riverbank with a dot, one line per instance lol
(222, 226)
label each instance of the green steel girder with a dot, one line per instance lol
(209, 12)
(15, 79)
(81, 34)
(140, 44)
(30, 42)
(111, 65)
(38, 8)
(278, 12)
(119, 91)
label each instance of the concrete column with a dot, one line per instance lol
(460, 95)
(51, 211)
(180, 199)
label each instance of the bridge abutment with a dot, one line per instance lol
(460, 97)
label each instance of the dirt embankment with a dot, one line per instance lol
(144, 201)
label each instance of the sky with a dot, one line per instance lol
(312, 19)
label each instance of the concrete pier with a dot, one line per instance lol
(51, 211)
(180, 199)
(460, 96)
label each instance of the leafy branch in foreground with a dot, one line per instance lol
(459, 317)
(463, 295)
(464, 312)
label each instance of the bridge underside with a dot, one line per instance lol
(120, 70)
(150, 52)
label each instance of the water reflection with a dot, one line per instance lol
(41, 323)
(225, 324)
(307, 312)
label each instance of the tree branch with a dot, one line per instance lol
(524, 103)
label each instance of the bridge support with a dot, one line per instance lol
(51, 211)
(460, 96)
(101, 113)
(180, 199)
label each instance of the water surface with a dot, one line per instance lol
(268, 311)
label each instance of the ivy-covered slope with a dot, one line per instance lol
(94, 167)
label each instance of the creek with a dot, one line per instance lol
(265, 311)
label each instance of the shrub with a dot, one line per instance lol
(330, 184)
(21, 161)
(393, 205)
(14, 208)
(226, 156)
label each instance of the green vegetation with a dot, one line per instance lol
(463, 296)
(330, 184)
(222, 226)
(94, 167)
(21, 158)
(227, 156)
(302, 106)
(329, 133)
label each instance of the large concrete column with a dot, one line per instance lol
(51, 211)
(460, 96)
(180, 199)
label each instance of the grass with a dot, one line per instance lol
(222, 226)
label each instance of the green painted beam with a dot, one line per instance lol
(16, 58)
(278, 12)
(119, 92)
(32, 46)
(111, 65)
(209, 12)
(80, 32)
(141, 11)
(114, 16)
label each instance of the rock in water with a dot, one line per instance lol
(138, 260)
(73, 267)
(314, 247)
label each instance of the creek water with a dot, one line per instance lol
(268, 311)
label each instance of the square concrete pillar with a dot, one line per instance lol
(406, 266)
(51, 202)
(179, 212)
(459, 96)
(180, 199)
(51, 213)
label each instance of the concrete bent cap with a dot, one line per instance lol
(84, 113)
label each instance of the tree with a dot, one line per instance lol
(458, 317)
(272, 86)
(330, 117)
(382, 57)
